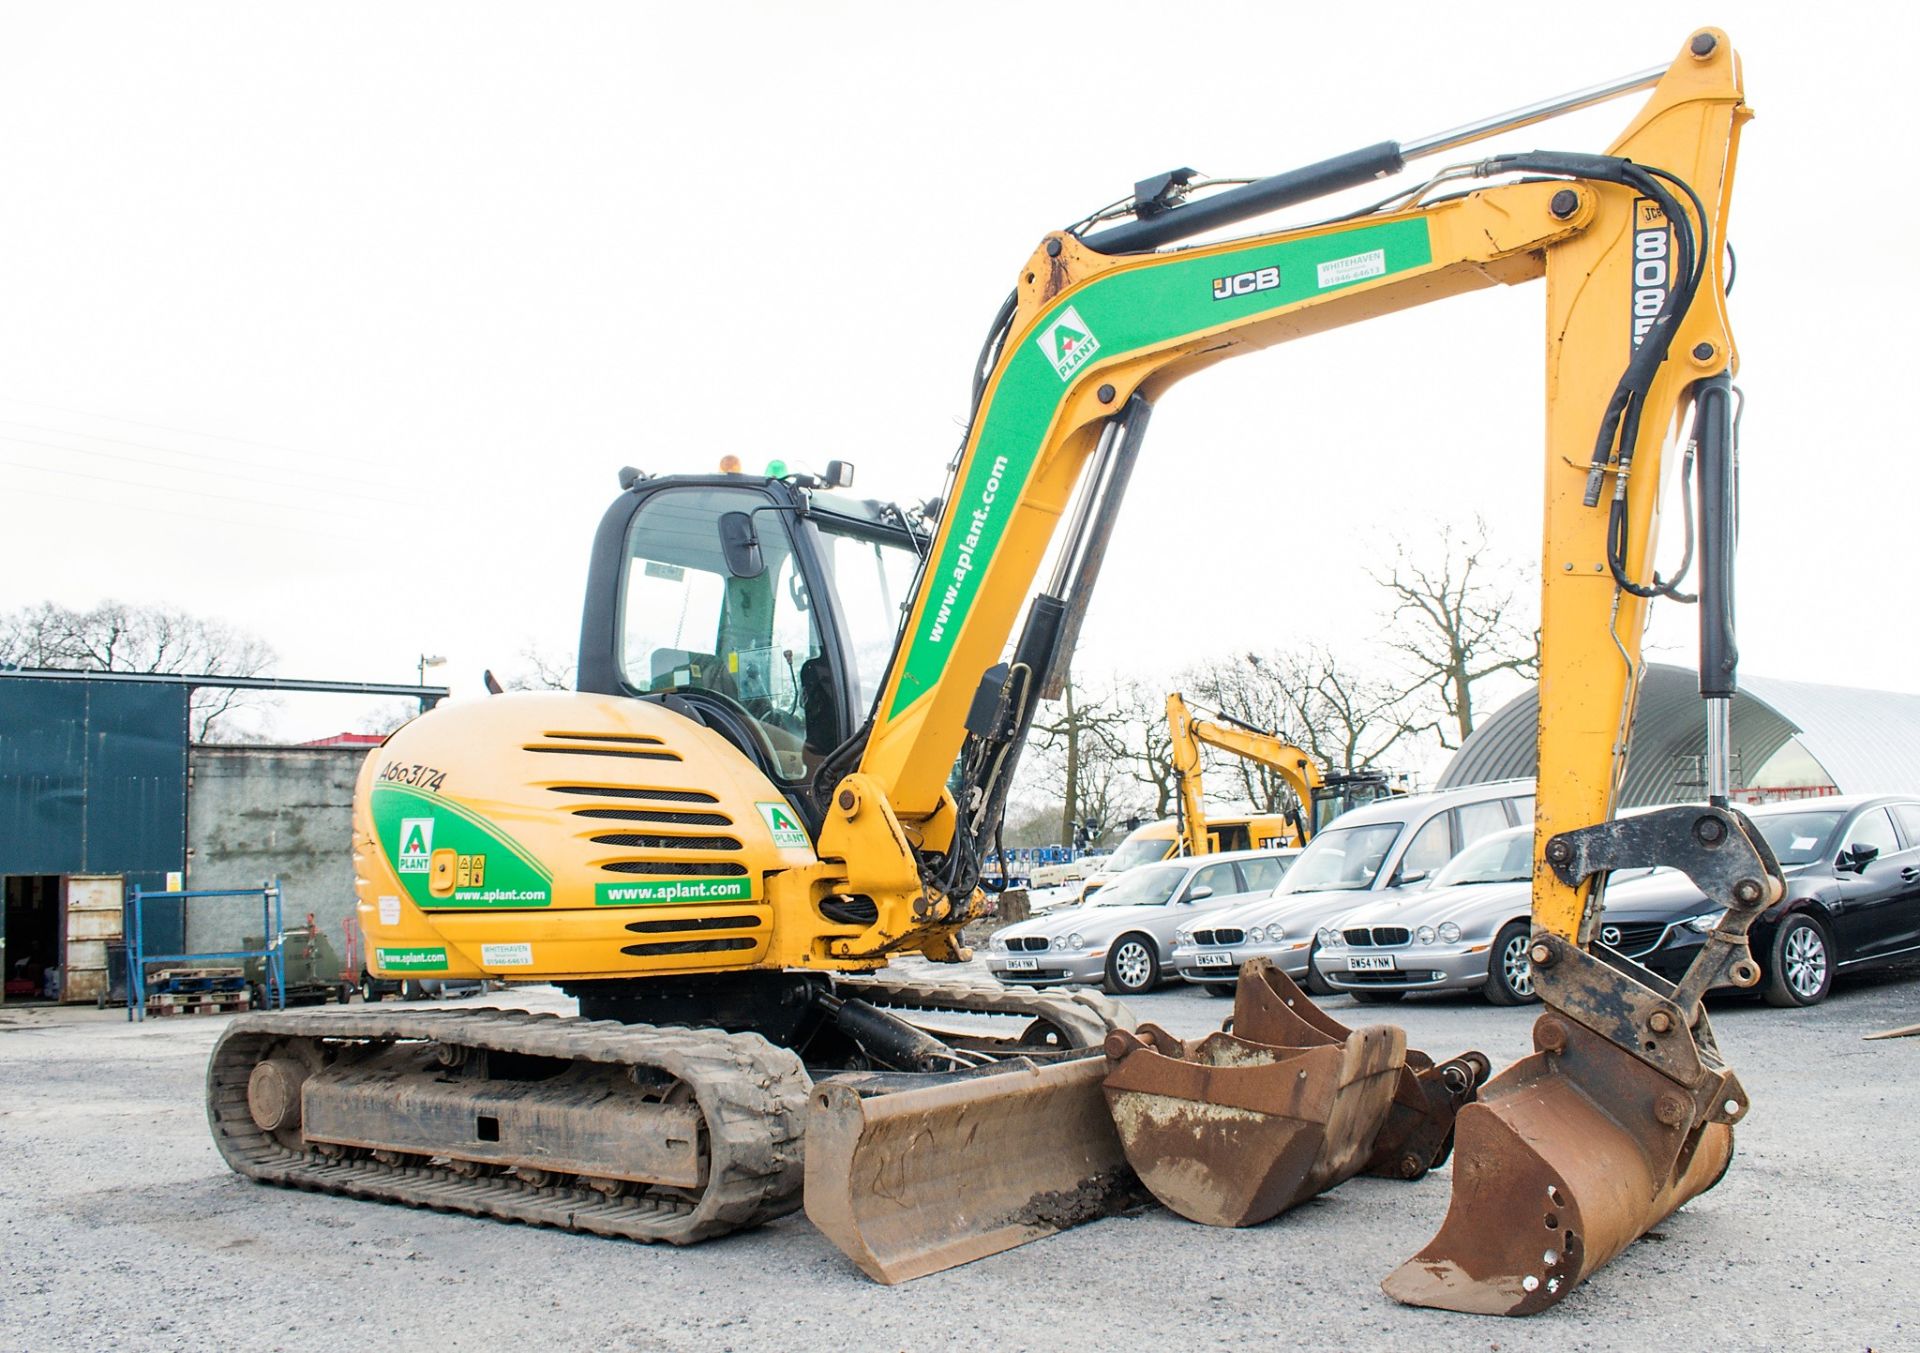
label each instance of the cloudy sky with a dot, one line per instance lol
(337, 321)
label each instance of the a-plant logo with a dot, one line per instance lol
(1068, 342)
(416, 844)
(786, 828)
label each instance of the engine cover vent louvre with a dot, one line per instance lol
(690, 946)
(635, 792)
(685, 868)
(640, 842)
(664, 815)
(694, 923)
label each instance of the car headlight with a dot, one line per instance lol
(1330, 938)
(1256, 934)
(1704, 923)
(997, 942)
(1074, 941)
(1425, 934)
(1448, 932)
(1183, 937)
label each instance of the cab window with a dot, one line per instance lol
(687, 623)
(1481, 819)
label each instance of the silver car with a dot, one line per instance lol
(1122, 936)
(1393, 846)
(1469, 929)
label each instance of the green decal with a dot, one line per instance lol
(786, 828)
(447, 857)
(410, 960)
(1125, 312)
(672, 890)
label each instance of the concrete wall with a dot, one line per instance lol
(257, 812)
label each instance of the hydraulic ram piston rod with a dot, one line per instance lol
(1343, 171)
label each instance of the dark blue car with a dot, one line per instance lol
(1852, 866)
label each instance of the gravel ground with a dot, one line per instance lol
(120, 1225)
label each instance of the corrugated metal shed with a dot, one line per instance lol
(1866, 741)
(93, 780)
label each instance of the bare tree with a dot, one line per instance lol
(1455, 610)
(1146, 746)
(115, 636)
(1340, 717)
(1079, 743)
(545, 671)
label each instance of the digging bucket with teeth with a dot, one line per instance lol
(1624, 1111)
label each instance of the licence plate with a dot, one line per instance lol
(1370, 963)
(1023, 965)
(1213, 960)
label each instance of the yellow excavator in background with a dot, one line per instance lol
(798, 718)
(1318, 798)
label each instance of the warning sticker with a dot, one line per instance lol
(389, 911)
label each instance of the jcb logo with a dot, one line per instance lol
(1246, 283)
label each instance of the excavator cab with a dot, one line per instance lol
(1337, 794)
(760, 608)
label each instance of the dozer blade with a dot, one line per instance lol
(1231, 1132)
(1569, 1157)
(911, 1183)
(1268, 1007)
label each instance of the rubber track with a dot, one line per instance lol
(751, 1093)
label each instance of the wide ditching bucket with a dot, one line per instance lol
(917, 1181)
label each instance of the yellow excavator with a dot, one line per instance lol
(798, 716)
(1318, 797)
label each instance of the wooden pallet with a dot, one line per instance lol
(199, 1003)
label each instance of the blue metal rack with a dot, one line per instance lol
(271, 958)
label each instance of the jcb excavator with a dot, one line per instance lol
(770, 784)
(1320, 797)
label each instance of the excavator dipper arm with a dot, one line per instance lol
(1631, 245)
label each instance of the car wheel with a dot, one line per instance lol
(1376, 997)
(1222, 989)
(369, 992)
(1133, 966)
(1509, 968)
(1800, 964)
(1315, 983)
(411, 990)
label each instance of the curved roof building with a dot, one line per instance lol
(1790, 739)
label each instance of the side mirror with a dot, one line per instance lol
(839, 474)
(1857, 858)
(740, 545)
(1408, 880)
(1196, 894)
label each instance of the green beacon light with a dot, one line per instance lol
(776, 469)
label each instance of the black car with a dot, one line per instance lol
(1852, 866)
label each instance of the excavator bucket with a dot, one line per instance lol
(1569, 1157)
(1268, 1007)
(917, 1181)
(1625, 1110)
(1232, 1132)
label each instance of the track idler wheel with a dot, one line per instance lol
(1232, 1132)
(1573, 1153)
(1268, 1007)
